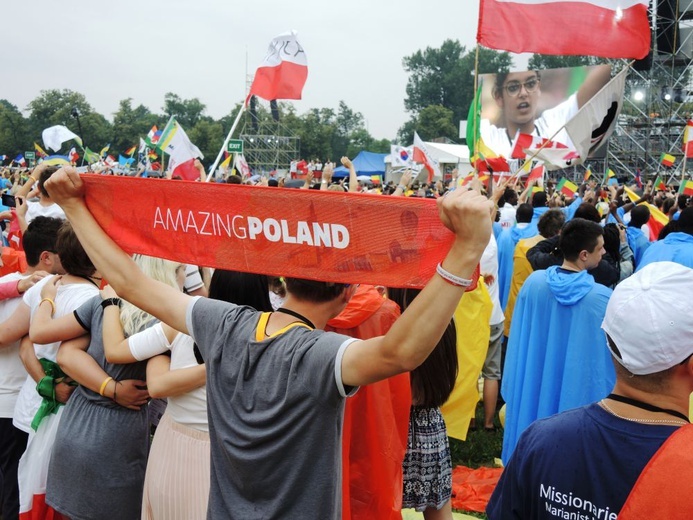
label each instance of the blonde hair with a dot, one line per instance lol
(134, 319)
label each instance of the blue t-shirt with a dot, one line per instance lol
(581, 463)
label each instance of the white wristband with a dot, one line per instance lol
(402, 187)
(453, 279)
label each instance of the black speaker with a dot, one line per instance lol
(667, 31)
(253, 113)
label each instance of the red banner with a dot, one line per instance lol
(319, 235)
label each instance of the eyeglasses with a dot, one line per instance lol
(514, 87)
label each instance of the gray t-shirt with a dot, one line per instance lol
(275, 411)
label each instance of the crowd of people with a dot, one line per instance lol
(291, 398)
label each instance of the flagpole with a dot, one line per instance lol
(474, 103)
(683, 167)
(226, 142)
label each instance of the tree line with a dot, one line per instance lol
(439, 91)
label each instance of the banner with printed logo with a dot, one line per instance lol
(319, 235)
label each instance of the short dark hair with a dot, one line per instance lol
(539, 199)
(612, 241)
(509, 196)
(314, 291)
(588, 212)
(234, 179)
(579, 235)
(45, 175)
(639, 216)
(241, 288)
(72, 255)
(524, 213)
(550, 223)
(40, 236)
(685, 222)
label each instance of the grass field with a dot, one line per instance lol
(480, 449)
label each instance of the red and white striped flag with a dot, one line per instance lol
(422, 156)
(284, 70)
(607, 28)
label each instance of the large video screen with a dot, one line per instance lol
(536, 102)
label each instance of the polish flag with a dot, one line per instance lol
(606, 28)
(422, 156)
(284, 70)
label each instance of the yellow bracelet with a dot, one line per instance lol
(52, 305)
(103, 385)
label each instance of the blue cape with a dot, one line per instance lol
(507, 241)
(676, 247)
(557, 355)
(638, 243)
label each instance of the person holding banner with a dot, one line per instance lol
(276, 386)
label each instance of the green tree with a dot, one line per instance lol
(433, 122)
(445, 76)
(208, 135)
(14, 131)
(55, 107)
(187, 111)
(130, 124)
(546, 61)
(317, 134)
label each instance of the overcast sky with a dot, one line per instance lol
(142, 49)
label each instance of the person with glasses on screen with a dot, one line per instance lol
(518, 96)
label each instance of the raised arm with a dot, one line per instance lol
(416, 333)
(140, 346)
(158, 299)
(353, 180)
(596, 79)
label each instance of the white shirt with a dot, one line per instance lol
(507, 215)
(489, 266)
(497, 139)
(69, 297)
(35, 209)
(190, 408)
(12, 371)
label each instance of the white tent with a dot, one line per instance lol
(449, 156)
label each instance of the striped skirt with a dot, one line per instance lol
(176, 485)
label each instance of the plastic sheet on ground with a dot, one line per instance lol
(472, 488)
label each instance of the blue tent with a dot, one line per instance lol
(365, 163)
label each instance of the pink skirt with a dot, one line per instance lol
(176, 485)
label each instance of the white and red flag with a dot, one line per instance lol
(422, 156)
(284, 70)
(688, 140)
(606, 28)
(175, 142)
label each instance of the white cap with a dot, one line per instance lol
(649, 318)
